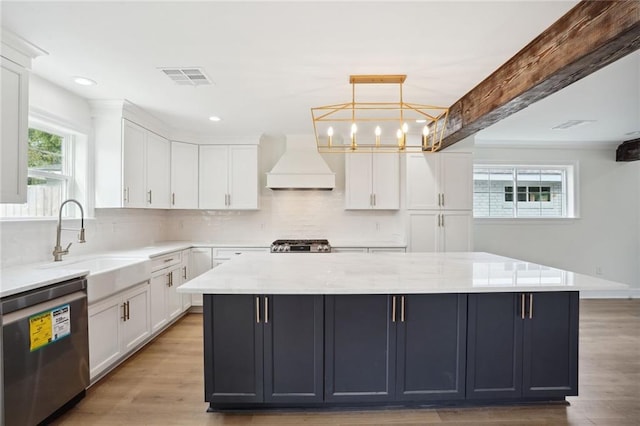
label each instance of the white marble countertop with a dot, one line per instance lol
(19, 279)
(386, 273)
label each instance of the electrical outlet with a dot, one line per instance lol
(598, 270)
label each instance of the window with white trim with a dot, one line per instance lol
(523, 191)
(50, 174)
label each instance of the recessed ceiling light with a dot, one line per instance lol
(83, 81)
(421, 120)
(214, 118)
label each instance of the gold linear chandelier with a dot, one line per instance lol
(378, 126)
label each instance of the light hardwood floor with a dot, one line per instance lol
(163, 385)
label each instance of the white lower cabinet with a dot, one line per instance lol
(166, 302)
(200, 261)
(436, 231)
(117, 325)
(185, 275)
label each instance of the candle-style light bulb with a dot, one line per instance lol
(425, 134)
(354, 130)
(378, 133)
(405, 129)
(399, 135)
(330, 135)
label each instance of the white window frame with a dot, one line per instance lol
(49, 123)
(570, 185)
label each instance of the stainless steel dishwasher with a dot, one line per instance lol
(45, 351)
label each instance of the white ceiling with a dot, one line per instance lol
(272, 61)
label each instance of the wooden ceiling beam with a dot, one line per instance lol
(590, 36)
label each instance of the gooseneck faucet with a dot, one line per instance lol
(57, 250)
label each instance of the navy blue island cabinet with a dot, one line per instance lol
(395, 347)
(263, 349)
(522, 345)
(293, 351)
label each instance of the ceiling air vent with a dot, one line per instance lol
(187, 76)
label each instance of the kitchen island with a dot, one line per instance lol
(346, 329)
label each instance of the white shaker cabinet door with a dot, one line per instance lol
(158, 171)
(184, 175)
(456, 231)
(174, 299)
(243, 177)
(105, 334)
(158, 299)
(137, 327)
(133, 165)
(422, 181)
(385, 181)
(200, 260)
(456, 181)
(358, 177)
(424, 232)
(14, 133)
(212, 183)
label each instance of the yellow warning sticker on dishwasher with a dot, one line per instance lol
(49, 326)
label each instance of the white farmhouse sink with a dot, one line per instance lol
(108, 274)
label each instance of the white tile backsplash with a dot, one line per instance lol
(288, 214)
(282, 214)
(111, 229)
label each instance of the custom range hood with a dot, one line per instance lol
(301, 167)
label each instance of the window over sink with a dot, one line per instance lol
(56, 171)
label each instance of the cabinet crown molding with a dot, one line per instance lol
(19, 50)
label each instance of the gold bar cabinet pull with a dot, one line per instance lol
(257, 310)
(266, 309)
(530, 305)
(393, 309)
(402, 308)
(522, 306)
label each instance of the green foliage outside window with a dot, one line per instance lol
(45, 153)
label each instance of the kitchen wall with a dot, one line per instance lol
(290, 214)
(33, 241)
(607, 234)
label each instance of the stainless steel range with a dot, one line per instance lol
(300, 246)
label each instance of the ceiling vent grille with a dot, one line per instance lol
(191, 76)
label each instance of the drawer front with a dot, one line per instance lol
(165, 261)
(220, 255)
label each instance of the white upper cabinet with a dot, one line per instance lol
(372, 181)
(133, 163)
(228, 177)
(14, 133)
(158, 171)
(133, 166)
(16, 55)
(440, 181)
(184, 175)
(145, 168)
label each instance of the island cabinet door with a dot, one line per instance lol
(359, 348)
(494, 346)
(550, 351)
(233, 349)
(293, 342)
(431, 346)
